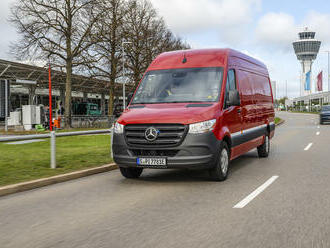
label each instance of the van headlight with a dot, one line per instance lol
(118, 128)
(202, 127)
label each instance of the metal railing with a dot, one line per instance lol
(306, 108)
(91, 121)
(52, 135)
(85, 121)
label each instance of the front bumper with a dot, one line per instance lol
(325, 118)
(197, 151)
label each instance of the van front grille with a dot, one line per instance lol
(168, 135)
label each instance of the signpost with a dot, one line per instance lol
(6, 105)
(50, 99)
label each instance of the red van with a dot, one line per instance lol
(196, 109)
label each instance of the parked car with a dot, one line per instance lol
(325, 114)
(117, 110)
(196, 109)
(85, 108)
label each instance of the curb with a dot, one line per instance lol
(20, 187)
(280, 123)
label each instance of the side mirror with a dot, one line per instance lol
(129, 98)
(233, 98)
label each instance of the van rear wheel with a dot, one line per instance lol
(263, 150)
(220, 170)
(131, 172)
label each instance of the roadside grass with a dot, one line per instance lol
(19, 163)
(277, 120)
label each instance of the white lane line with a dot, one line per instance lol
(308, 146)
(255, 193)
(317, 133)
(318, 126)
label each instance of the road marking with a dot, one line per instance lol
(318, 126)
(308, 146)
(255, 193)
(317, 133)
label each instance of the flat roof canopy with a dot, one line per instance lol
(19, 71)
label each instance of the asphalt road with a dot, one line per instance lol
(183, 209)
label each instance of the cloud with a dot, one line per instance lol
(320, 23)
(279, 30)
(276, 30)
(228, 17)
(6, 28)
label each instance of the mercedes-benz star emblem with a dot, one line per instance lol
(151, 134)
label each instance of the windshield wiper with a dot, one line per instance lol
(145, 102)
(171, 102)
(188, 101)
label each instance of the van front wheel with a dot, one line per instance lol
(220, 170)
(263, 150)
(131, 172)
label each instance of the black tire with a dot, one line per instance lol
(131, 172)
(263, 150)
(220, 170)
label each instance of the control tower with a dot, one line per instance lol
(306, 49)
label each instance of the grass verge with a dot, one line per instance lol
(277, 120)
(19, 163)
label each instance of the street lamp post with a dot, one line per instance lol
(124, 82)
(328, 52)
(286, 88)
(6, 105)
(328, 70)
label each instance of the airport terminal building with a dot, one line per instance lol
(28, 85)
(312, 102)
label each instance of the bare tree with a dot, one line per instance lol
(137, 29)
(87, 35)
(107, 51)
(60, 30)
(149, 36)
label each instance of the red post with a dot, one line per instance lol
(50, 100)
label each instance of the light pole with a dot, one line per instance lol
(328, 69)
(6, 105)
(124, 81)
(286, 88)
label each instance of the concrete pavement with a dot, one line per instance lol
(174, 208)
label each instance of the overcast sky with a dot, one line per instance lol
(263, 29)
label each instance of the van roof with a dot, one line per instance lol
(213, 57)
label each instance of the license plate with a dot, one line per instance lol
(151, 161)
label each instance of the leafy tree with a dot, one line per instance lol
(282, 100)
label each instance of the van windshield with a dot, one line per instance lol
(180, 85)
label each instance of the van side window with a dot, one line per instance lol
(230, 85)
(231, 79)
